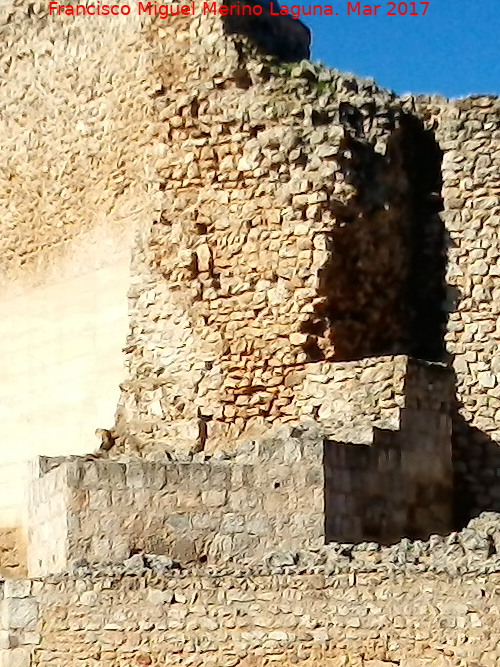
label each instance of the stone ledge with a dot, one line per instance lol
(473, 551)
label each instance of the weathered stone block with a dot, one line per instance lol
(19, 613)
(7, 640)
(214, 498)
(16, 657)
(17, 588)
(135, 474)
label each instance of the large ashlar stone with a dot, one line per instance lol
(17, 588)
(16, 657)
(19, 613)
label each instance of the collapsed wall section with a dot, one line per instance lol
(286, 240)
(341, 193)
(298, 487)
(282, 247)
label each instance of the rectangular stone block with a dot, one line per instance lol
(101, 510)
(17, 588)
(19, 613)
(135, 474)
(15, 657)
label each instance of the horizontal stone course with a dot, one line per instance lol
(215, 509)
(295, 488)
(422, 603)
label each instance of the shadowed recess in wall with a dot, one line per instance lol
(384, 284)
(426, 286)
(476, 462)
(281, 36)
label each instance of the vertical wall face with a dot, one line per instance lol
(214, 511)
(50, 521)
(290, 490)
(13, 550)
(283, 244)
(61, 361)
(401, 484)
(74, 99)
(469, 137)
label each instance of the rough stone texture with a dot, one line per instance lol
(301, 486)
(238, 283)
(410, 605)
(12, 552)
(59, 72)
(468, 134)
(327, 184)
(320, 204)
(213, 510)
(291, 257)
(348, 201)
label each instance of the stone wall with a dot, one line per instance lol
(293, 226)
(470, 140)
(284, 244)
(334, 189)
(351, 203)
(410, 605)
(73, 116)
(348, 398)
(74, 101)
(301, 486)
(207, 511)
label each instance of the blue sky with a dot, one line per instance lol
(453, 50)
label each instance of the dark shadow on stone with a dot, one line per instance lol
(476, 466)
(401, 484)
(281, 36)
(393, 304)
(368, 310)
(426, 288)
(362, 312)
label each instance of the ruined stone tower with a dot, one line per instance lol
(286, 242)
(310, 359)
(289, 267)
(293, 269)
